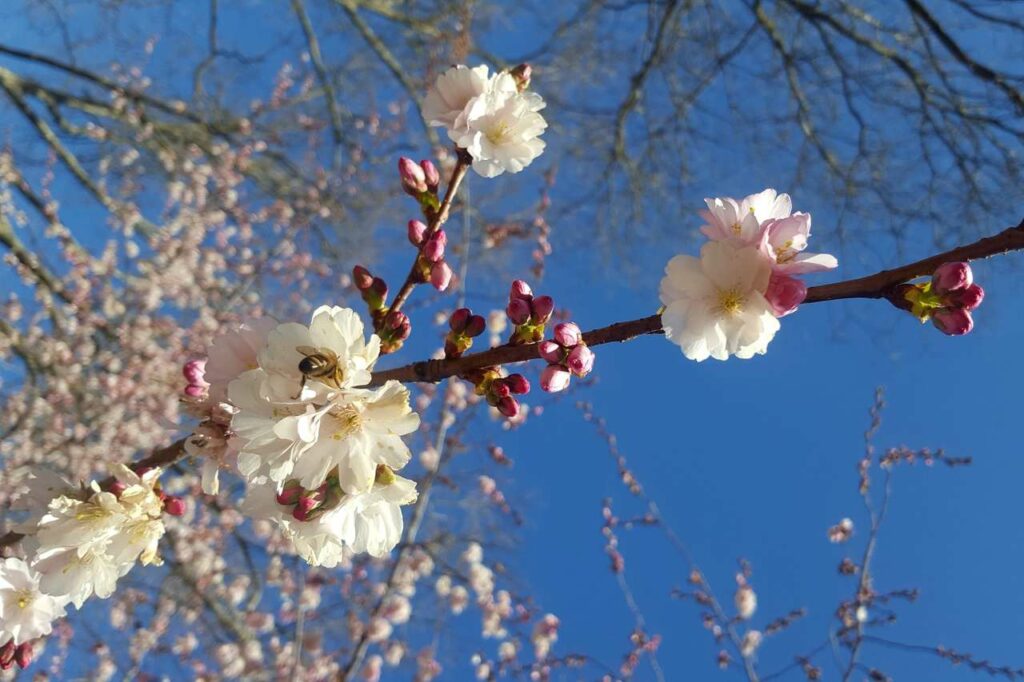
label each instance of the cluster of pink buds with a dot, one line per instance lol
(465, 326)
(430, 264)
(567, 355)
(305, 504)
(420, 181)
(499, 391)
(20, 655)
(392, 326)
(195, 375)
(528, 313)
(947, 299)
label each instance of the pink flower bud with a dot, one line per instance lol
(290, 493)
(554, 379)
(175, 506)
(518, 310)
(417, 229)
(952, 321)
(379, 288)
(7, 655)
(952, 276)
(440, 276)
(520, 289)
(193, 391)
(567, 334)
(362, 278)
(500, 388)
(475, 326)
(430, 174)
(300, 514)
(23, 655)
(541, 309)
(194, 371)
(785, 294)
(117, 487)
(433, 250)
(518, 384)
(459, 319)
(508, 406)
(522, 74)
(396, 320)
(551, 351)
(580, 360)
(968, 298)
(414, 181)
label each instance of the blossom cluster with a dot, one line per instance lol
(317, 449)
(567, 355)
(492, 116)
(79, 541)
(728, 301)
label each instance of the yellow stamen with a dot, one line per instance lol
(730, 301)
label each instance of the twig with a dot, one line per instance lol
(878, 285)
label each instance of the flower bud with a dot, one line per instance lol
(194, 391)
(300, 514)
(785, 294)
(431, 175)
(23, 655)
(194, 371)
(379, 288)
(541, 309)
(416, 229)
(952, 276)
(433, 250)
(508, 406)
(117, 487)
(362, 278)
(952, 321)
(459, 319)
(175, 506)
(554, 379)
(500, 389)
(520, 289)
(518, 384)
(518, 310)
(522, 74)
(476, 326)
(290, 493)
(551, 351)
(414, 180)
(968, 298)
(398, 323)
(580, 360)
(7, 654)
(567, 334)
(440, 276)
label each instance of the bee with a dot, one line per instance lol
(319, 364)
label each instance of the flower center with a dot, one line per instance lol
(498, 133)
(347, 420)
(785, 253)
(730, 301)
(91, 512)
(23, 598)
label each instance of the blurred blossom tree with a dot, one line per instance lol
(179, 176)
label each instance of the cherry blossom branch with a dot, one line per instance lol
(437, 219)
(878, 285)
(159, 458)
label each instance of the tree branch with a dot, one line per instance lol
(877, 285)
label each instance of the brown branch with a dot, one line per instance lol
(159, 458)
(878, 285)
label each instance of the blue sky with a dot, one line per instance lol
(756, 459)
